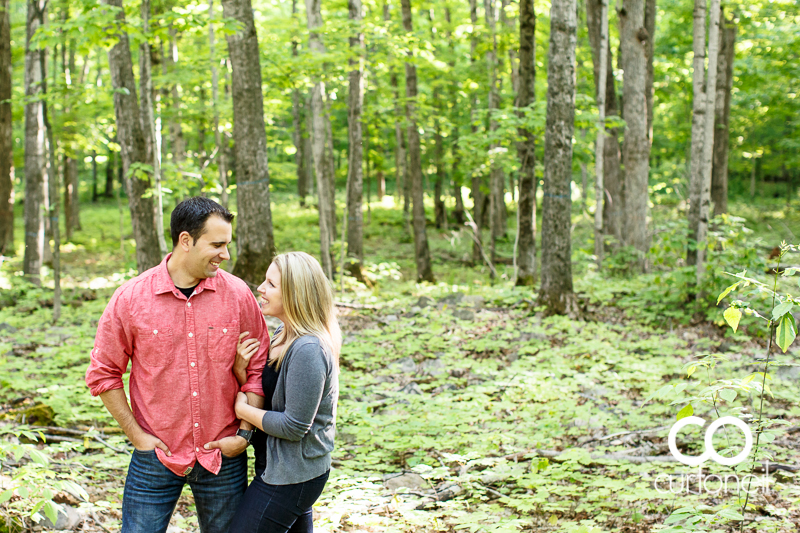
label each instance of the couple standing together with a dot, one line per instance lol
(204, 375)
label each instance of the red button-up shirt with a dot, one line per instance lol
(182, 386)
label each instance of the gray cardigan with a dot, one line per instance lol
(301, 427)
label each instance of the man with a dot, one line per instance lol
(178, 325)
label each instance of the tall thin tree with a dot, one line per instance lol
(496, 179)
(422, 254)
(719, 173)
(319, 144)
(556, 292)
(298, 130)
(704, 91)
(636, 146)
(222, 160)
(526, 148)
(255, 243)
(6, 135)
(36, 185)
(600, 82)
(137, 159)
(355, 171)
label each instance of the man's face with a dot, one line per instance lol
(211, 249)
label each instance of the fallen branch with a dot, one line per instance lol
(356, 306)
(558, 457)
(626, 433)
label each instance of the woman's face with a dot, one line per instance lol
(270, 291)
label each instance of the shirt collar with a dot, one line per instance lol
(164, 282)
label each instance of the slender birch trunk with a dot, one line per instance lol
(599, 163)
(355, 177)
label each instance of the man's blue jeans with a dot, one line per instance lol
(152, 491)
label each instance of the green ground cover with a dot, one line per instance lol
(462, 407)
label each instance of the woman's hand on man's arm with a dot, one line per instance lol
(245, 350)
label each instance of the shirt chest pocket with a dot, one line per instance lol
(222, 340)
(154, 346)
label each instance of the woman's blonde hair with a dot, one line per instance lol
(307, 304)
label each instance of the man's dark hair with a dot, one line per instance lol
(191, 214)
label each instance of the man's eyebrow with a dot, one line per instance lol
(221, 242)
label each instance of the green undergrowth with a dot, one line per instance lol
(464, 386)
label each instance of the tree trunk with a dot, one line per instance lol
(702, 119)
(512, 52)
(496, 177)
(650, 27)
(94, 176)
(355, 165)
(319, 132)
(54, 207)
(108, 192)
(72, 162)
(612, 197)
(478, 197)
(422, 253)
(599, 162)
(178, 143)
(526, 149)
(401, 172)
(137, 158)
(255, 243)
(719, 177)
(636, 147)
(218, 136)
(149, 125)
(556, 290)
(35, 137)
(6, 135)
(455, 173)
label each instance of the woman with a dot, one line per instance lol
(300, 428)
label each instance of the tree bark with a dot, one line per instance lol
(178, 144)
(650, 27)
(512, 52)
(218, 136)
(94, 176)
(298, 130)
(355, 174)
(149, 125)
(612, 194)
(526, 148)
(255, 243)
(6, 135)
(478, 196)
(422, 253)
(719, 176)
(636, 147)
(108, 192)
(556, 291)
(704, 90)
(72, 209)
(137, 157)
(496, 178)
(319, 132)
(601, 80)
(36, 185)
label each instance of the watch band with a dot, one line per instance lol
(246, 434)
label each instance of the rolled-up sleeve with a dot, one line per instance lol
(113, 346)
(253, 321)
(306, 373)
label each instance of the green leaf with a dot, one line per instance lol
(727, 291)
(686, 411)
(781, 309)
(732, 316)
(728, 394)
(6, 495)
(786, 332)
(51, 510)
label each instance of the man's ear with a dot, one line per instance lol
(185, 241)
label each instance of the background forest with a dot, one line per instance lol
(554, 228)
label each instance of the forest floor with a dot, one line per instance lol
(462, 407)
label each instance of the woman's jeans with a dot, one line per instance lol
(152, 490)
(278, 508)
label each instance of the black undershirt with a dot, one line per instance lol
(187, 292)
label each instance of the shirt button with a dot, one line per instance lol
(194, 394)
(191, 334)
(225, 330)
(155, 332)
(197, 449)
(196, 425)
(192, 363)
(188, 304)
